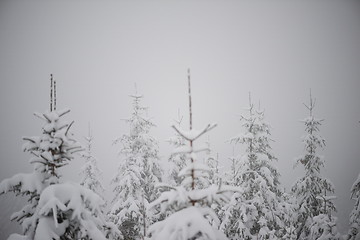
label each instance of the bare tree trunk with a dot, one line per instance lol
(191, 142)
(54, 94)
(51, 92)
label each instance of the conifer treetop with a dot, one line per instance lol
(190, 202)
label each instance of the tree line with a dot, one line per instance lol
(193, 199)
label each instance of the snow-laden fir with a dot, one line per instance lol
(354, 231)
(90, 173)
(138, 173)
(55, 210)
(193, 201)
(256, 213)
(314, 208)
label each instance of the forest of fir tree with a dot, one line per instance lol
(190, 198)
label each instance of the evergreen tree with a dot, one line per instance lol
(213, 163)
(354, 231)
(215, 177)
(90, 172)
(188, 204)
(137, 175)
(54, 210)
(231, 177)
(52, 150)
(256, 213)
(312, 189)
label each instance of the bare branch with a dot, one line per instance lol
(190, 107)
(67, 130)
(46, 117)
(39, 115)
(51, 92)
(64, 112)
(54, 94)
(29, 139)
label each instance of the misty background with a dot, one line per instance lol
(99, 50)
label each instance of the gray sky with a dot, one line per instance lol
(98, 50)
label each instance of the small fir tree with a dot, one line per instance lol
(137, 175)
(90, 172)
(51, 151)
(213, 163)
(54, 210)
(354, 231)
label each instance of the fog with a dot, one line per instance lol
(99, 50)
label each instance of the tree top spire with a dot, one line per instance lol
(190, 106)
(52, 93)
(311, 106)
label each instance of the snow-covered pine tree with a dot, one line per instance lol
(90, 172)
(54, 210)
(354, 231)
(215, 176)
(191, 216)
(137, 175)
(50, 151)
(176, 161)
(213, 163)
(312, 189)
(256, 213)
(231, 177)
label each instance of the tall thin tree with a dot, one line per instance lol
(354, 231)
(91, 174)
(312, 189)
(138, 173)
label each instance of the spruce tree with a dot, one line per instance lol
(138, 173)
(354, 231)
(50, 151)
(213, 163)
(90, 172)
(54, 210)
(311, 191)
(256, 213)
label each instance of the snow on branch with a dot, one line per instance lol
(189, 223)
(83, 205)
(22, 183)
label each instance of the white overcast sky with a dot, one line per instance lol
(98, 50)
